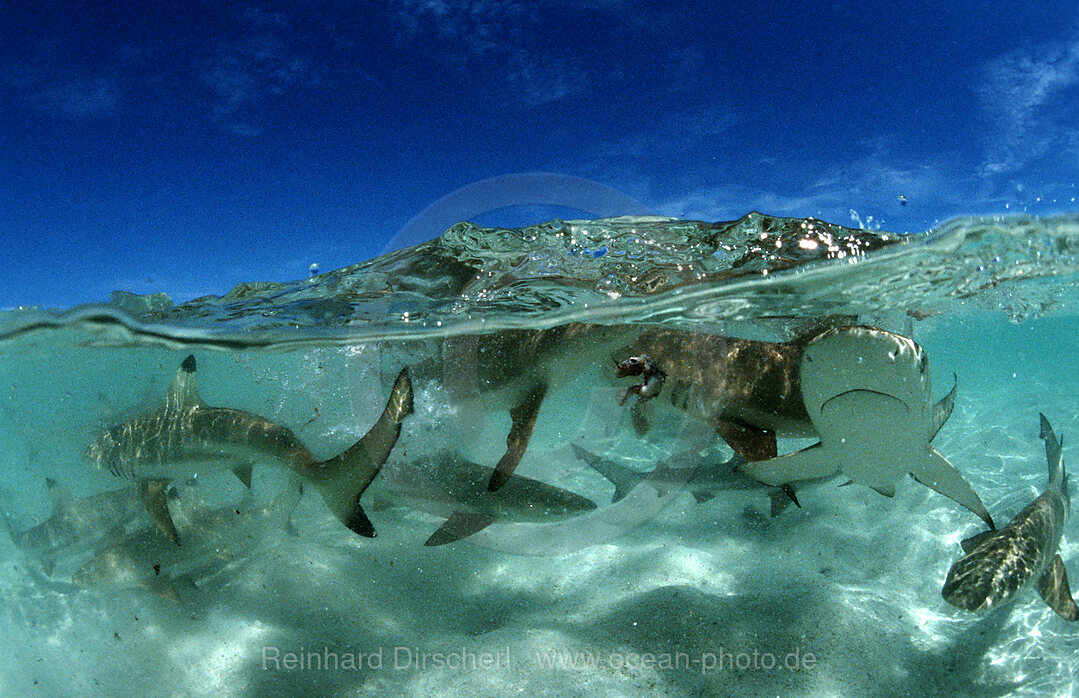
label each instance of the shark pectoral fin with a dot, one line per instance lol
(460, 525)
(885, 490)
(639, 419)
(701, 496)
(153, 493)
(807, 464)
(749, 442)
(977, 539)
(358, 522)
(1053, 588)
(780, 500)
(285, 502)
(524, 420)
(243, 473)
(168, 589)
(936, 473)
(943, 409)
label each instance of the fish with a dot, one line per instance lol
(999, 564)
(186, 436)
(447, 484)
(652, 381)
(514, 370)
(867, 393)
(747, 390)
(704, 479)
(218, 540)
(77, 523)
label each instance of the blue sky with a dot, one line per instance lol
(185, 147)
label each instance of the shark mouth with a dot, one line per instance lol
(867, 391)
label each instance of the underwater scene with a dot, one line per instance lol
(636, 456)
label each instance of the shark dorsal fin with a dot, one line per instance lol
(58, 495)
(183, 392)
(943, 409)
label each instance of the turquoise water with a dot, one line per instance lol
(654, 595)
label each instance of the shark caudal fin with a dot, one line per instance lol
(524, 420)
(1053, 447)
(342, 480)
(624, 479)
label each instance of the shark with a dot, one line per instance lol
(998, 564)
(867, 393)
(78, 522)
(446, 484)
(219, 540)
(747, 390)
(875, 425)
(705, 479)
(186, 436)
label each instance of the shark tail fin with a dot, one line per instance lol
(624, 479)
(342, 480)
(1053, 446)
(524, 420)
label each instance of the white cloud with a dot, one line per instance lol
(264, 64)
(81, 98)
(475, 27)
(462, 33)
(538, 80)
(677, 134)
(1028, 96)
(870, 184)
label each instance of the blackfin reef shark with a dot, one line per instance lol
(186, 436)
(447, 485)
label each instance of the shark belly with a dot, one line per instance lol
(872, 451)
